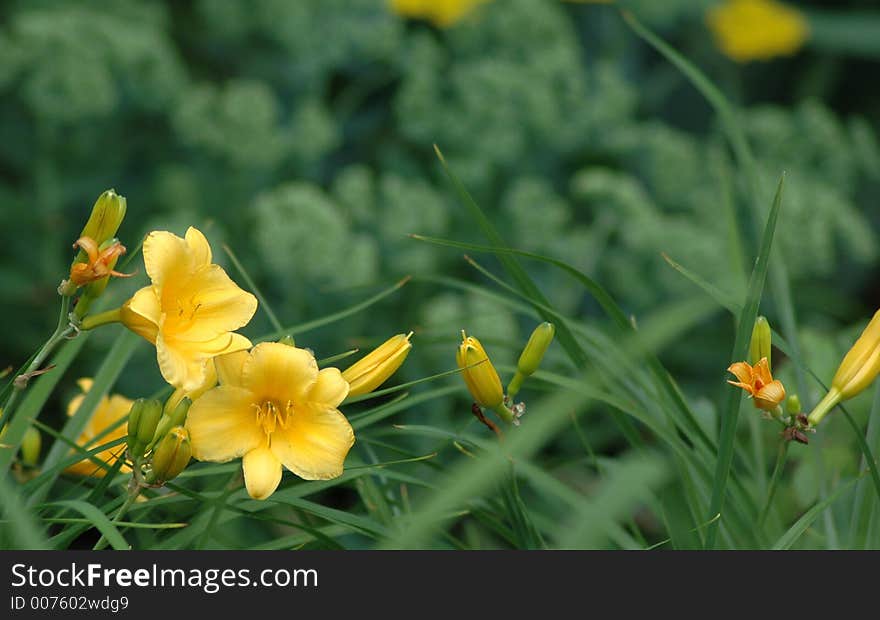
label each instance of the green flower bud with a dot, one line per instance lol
(171, 456)
(171, 418)
(759, 347)
(793, 405)
(30, 447)
(288, 340)
(107, 216)
(531, 356)
(142, 421)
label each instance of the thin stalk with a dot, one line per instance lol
(62, 331)
(774, 480)
(134, 489)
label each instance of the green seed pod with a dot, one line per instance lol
(171, 456)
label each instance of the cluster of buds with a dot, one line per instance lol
(484, 383)
(158, 443)
(767, 393)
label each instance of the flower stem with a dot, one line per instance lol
(134, 489)
(62, 331)
(774, 480)
(95, 320)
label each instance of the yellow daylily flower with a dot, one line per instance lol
(108, 412)
(273, 408)
(748, 30)
(376, 367)
(190, 310)
(442, 13)
(766, 392)
(859, 368)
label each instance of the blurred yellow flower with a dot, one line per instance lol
(190, 310)
(748, 30)
(273, 407)
(373, 369)
(442, 13)
(108, 412)
(765, 391)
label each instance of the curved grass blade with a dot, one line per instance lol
(98, 519)
(332, 318)
(740, 352)
(800, 526)
(24, 530)
(270, 314)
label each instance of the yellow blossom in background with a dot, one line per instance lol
(748, 30)
(190, 310)
(376, 367)
(108, 412)
(273, 407)
(766, 392)
(442, 13)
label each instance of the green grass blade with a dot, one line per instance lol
(513, 268)
(21, 530)
(864, 505)
(800, 526)
(730, 414)
(333, 318)
(98, 519)
(112, 366)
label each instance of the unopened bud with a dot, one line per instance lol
(30, 447)
(793, 405)
(378, 365)
(759, 347)
(531, 356)
(172, 416)
(106, 217)
(288, 340)
(142, 421)
(171, 456)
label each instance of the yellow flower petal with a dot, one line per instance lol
(769, 396)
(315, 443)
(329, 389)
(262, 472)
(229, 367)
(280, 372)
(186, 364)
(143, 313)
(198, 245)
(222, 425)
(108, 414)
(214, 305)
(165, 256)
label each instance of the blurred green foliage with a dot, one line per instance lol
(301, 133)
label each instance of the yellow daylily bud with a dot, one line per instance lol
(373, 370)
(30, 447)
(171, 456)
(105, 220)
(142, 421)
(858, 369)
(480, 376)
(531, 356)
(760, 344)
